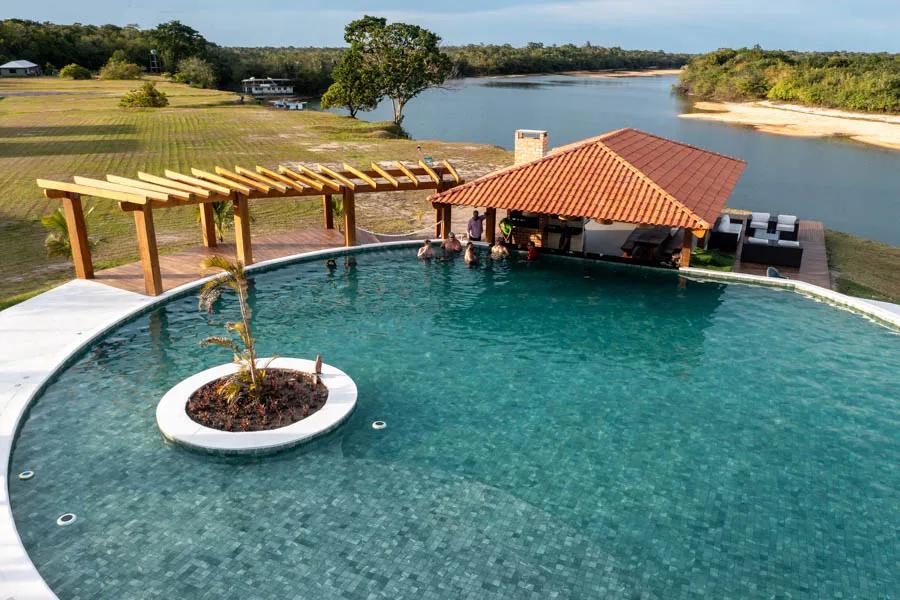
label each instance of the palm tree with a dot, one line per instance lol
(233, 276)
(221, 218)
(57, 240)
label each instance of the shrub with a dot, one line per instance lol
(74, 71)
(146, 96)
(196, 72)
(115, 69)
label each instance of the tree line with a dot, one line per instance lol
(53, 46)
(847, 80)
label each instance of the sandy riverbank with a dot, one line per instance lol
(613, 73)
(804, 121)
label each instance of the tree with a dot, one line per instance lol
(355, 86)
(196, 72)
(176, 41)
(73, 71)
(402, 60)
(119, 69)
(146, 96)
(249, 378)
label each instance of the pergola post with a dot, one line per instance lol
(146, 239)
(349, 202)
(490, 225)
(327, 211)
(686, 245)
(78, 236)
(438, 217)
(243, 247)
(445, 221)
(208, 225)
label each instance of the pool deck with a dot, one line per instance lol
(814, 265)
(41, 334)
(183, 267)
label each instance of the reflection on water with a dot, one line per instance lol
(847, 185)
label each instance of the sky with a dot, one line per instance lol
(672, 25)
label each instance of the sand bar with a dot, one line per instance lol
(620, 73)
(881, 130)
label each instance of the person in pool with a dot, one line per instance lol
(451, 245)
(499, 250)
(532, 251)
(471, 258)
(426, 252)
(331, 265)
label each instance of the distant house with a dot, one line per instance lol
(19, 68)
(267, 86)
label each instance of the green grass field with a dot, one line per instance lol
(863, 268)
(52, 128)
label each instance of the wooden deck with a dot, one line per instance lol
(184, 267)
(814, 266)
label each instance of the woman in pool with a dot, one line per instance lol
(426, 252)
(471, 258)
(532, 251)
(499, 250)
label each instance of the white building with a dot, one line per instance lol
(20, 68)
(267, 86)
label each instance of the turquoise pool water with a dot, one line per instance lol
(555, 430)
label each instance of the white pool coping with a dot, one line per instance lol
(178, 427)
(38, 337)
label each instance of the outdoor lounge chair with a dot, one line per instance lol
(725, 235)
(787, 227)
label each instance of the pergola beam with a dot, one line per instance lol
(385, 175)
(88, 190)
(403, 169)
(287, 181)
(203, 183)
(452, 171)
(118, 187)
(254, 176)
(171, 183)
(361, 176)
(337, 176)
(222, 181)
(232, 176)
(316, 184)
(143, 185)
(319, 177)
(430, 172)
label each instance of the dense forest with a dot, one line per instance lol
(851, 81)
(53, 46)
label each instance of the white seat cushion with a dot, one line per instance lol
(756, 240)
(760, 217)
(786, 223)
(791, 243)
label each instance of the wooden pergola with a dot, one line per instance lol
(144, 193)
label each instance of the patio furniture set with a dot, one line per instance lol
(769, 240)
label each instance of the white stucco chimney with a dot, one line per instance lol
(531, 144)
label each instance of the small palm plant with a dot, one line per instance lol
(221, 218)
(57, 240)
(248, 380)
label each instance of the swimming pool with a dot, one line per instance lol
(565, 427)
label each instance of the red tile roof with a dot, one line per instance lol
(625, 175)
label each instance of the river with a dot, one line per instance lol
(847, 185)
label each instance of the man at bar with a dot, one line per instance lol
(475, 227)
